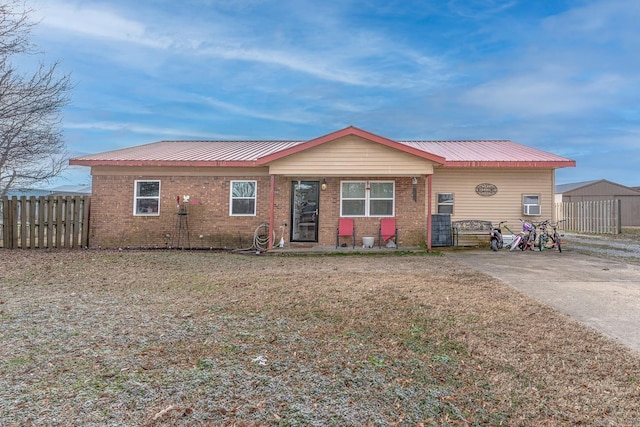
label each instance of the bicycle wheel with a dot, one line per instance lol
(556, 239)
(542, 241)
(515, 242)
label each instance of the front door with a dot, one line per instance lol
(304, 211)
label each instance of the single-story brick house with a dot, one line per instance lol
(234, 186)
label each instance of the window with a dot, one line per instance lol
(353, 198)
(381, 198)
(531, 204)
(362, 198)
(243, 198)
(445, 203)
(146, 200)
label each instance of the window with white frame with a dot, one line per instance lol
(367, 198)
(531, 204)
(146, 199)
(445, 203)
(242, 198)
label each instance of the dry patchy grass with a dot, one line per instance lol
(200, 338)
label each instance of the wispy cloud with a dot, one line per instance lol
(571, 64)
(155, 131)
(544, 94)
(479, 9)
(597, 20)
(299, 117)
(339, 61)
(98, 21)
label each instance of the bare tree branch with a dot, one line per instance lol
(32, 147)
(15, 28)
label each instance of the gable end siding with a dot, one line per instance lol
(351, 156)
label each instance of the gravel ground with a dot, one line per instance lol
(625, 247)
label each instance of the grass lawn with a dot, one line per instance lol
(202, 338)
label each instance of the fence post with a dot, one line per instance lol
(42, 223)
(85, 222)
(6, 225)
(15, 230)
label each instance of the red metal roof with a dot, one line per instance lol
(487, 153)
(187, 153)
(494, 153)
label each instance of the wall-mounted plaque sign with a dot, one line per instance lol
(486, 189)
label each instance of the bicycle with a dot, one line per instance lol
(550, 240)
(495, 240)
(503, 224)
(526, 238)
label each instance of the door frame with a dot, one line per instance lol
(296, 234)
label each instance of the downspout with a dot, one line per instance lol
(554, 207)
(272, 198)
(429, 212)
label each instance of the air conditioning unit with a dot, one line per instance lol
(532, 209)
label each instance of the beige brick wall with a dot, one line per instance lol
(410, 215)
(113, 224)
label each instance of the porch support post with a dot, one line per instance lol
(429, 212)
(272, 199)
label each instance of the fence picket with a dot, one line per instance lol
(22, 213)
(59, 221)
(32, 221)
(42, 223)
(50, 222)
(68, 222)
(14, 218)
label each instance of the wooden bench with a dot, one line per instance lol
(477, 231)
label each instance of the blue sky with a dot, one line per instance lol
(558, 75)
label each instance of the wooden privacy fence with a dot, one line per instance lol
(45, 222)
(599, 216)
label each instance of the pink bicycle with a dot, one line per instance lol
(526, 238)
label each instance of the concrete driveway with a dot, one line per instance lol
(598, 292)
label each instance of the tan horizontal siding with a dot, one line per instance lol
(351, 156)
(506, 204)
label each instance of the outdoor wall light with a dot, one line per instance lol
(324, 184)
(414, 181)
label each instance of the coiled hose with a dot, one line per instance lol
(261, 237)
(260, 240)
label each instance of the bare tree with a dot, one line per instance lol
(32, 148)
